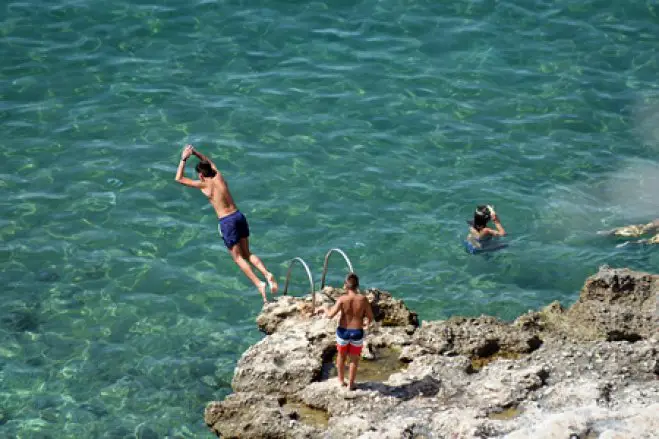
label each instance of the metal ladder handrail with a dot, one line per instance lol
(306, 268)
(327, 256)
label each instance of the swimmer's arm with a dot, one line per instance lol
(500, 231)
(491, 232)
(180, 178)
(204, 158)
(486, 232)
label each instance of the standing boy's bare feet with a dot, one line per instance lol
(342, 382)
(272, 282)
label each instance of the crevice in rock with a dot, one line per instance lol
(505, 413)
(616, 335)
(543, 375)
(604, 398)
(534, 343)
(298, 411)
(327, 358)
(488, 349)
(477, 362)
(416, 431)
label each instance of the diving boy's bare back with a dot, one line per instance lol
(217, 191)
(232, 224)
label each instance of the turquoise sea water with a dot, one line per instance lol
(373, 126)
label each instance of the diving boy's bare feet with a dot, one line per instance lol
(272, 282)
(261, 288)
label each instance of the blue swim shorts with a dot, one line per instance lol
(233, 228)
(349, 340)
(470, 247)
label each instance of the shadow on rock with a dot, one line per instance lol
(425, 387)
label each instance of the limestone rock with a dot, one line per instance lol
(248, 414)
(477, 337)
(285, 362)
(616, 304)
(590, 370)
(592, 421)
(283, 309)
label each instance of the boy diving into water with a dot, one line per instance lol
(232, 224)
(479, 233)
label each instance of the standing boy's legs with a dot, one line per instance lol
(354, 353)
(342, 344)
(340, 365)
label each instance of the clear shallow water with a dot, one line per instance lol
(372, 126)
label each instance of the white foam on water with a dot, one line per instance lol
(645, 116)
(627, 196)
(632, 193)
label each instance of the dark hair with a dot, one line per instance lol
(352, 281)
(481, 217)
(204, 168)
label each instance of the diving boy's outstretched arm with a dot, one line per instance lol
(203, 158)
(180, 177)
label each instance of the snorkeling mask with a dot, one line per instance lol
(486, 212)
(492, 212)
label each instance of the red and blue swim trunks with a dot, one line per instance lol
(349, 341)
(233, 228)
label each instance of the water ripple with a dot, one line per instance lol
(372, 126)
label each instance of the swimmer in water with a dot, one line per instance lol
(635, 231)
(479, 233)
(232, 224)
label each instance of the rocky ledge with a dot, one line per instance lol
(590, 371)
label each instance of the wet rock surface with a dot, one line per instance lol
(591, 370)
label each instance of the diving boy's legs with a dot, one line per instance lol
(247, 269)
(256, 261)
(235, 233)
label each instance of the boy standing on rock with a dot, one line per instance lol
(355, 309)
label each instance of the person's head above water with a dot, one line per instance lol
(482, 215)
(205, 170)
(352, 282)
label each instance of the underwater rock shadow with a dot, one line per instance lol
(21, 320)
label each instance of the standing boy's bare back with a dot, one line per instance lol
(353, 311)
